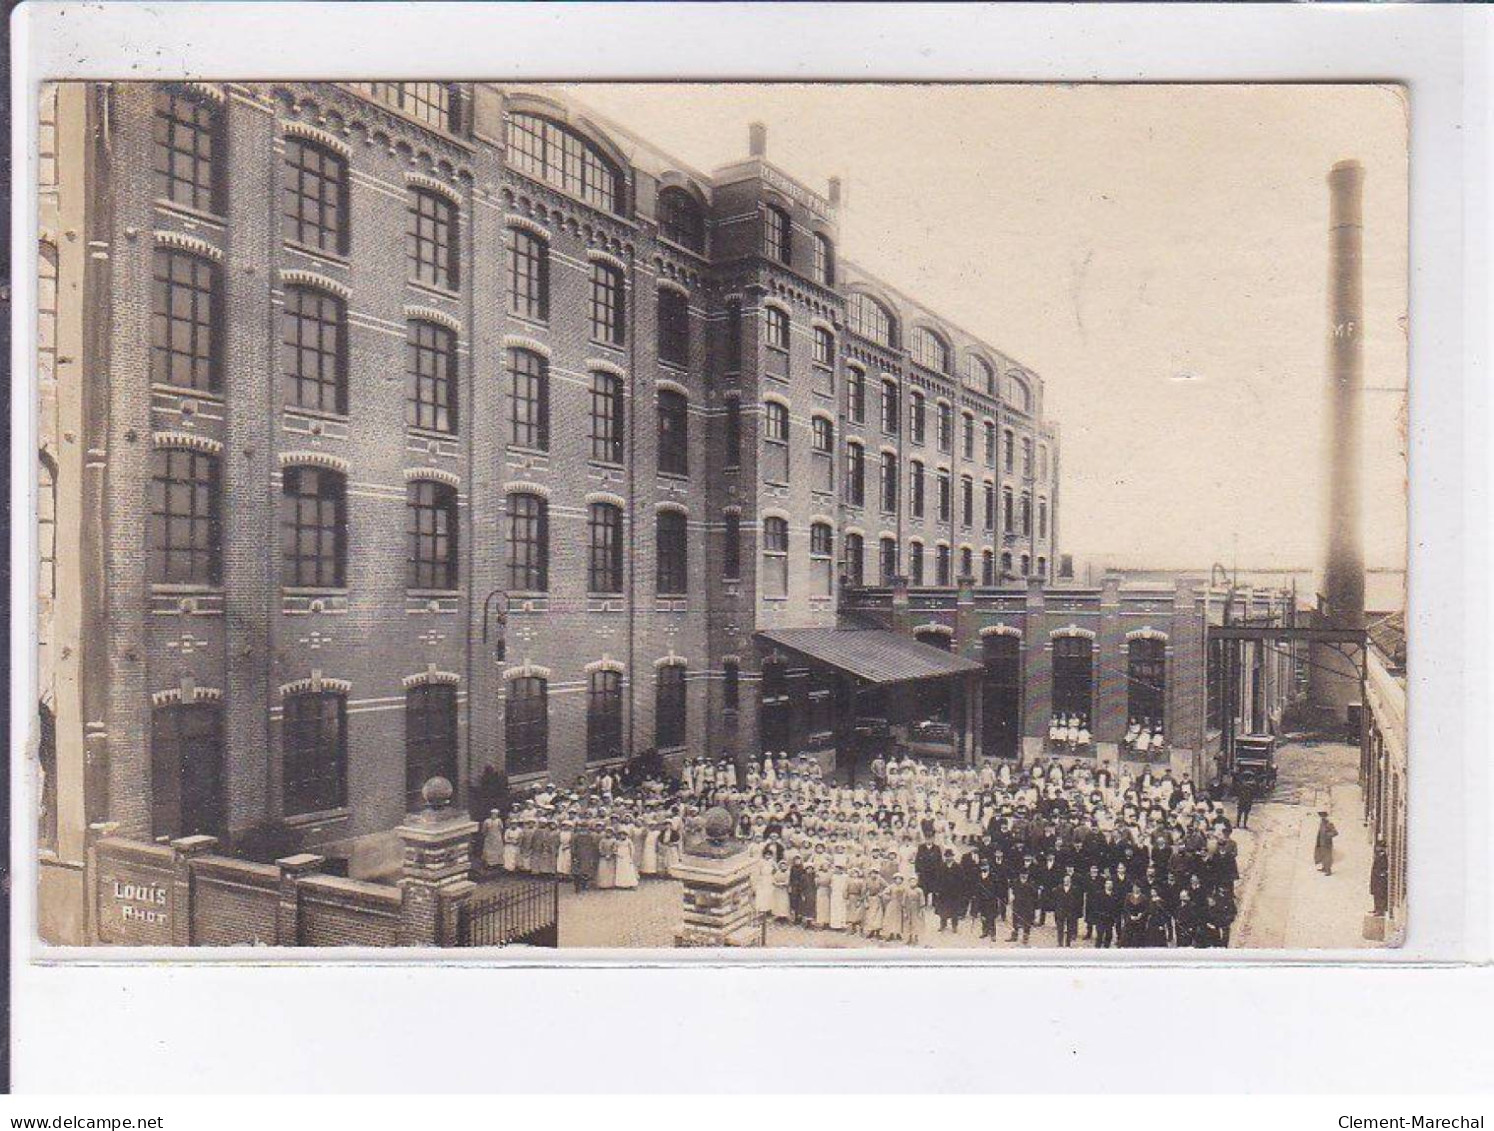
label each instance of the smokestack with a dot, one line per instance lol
(836, 189)
(757, 140)
(1343, 575)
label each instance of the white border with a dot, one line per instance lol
(1432, 48)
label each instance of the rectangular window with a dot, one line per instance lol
(432, 533)
(606, 304)
(604, 716)
(941, 565)
(889, 482)
(185, 534)
(186, 322)
(944, 499)
(430, 739)
(733, 433)
(731, 687)
(313, 528)
(315, 196)
(674, 434)
(314, 344)
(990, 431)
(889, 408)
(855, 559)
(669, 707)
(968, 437)
(916, 417)
(528, 543)
(430, 377)
(967, 501)
(990, 507)
(529, 276)
(526, 725)
(946, 428)
(189, 151)
(775, 557)
(734, 337)
(1026, 457)
(428, 102)
(315, 743)
(605, 565)
(778, 328)
(529, 375)
(674, 328)
(672, 577)
(731, 557)
(855, 475)
(856, 396)
(821, 560)
(606, 417)
(915, 564)
(915, 491)
(889, 560)
(431, 240)
(187, 779)
(1011, 454)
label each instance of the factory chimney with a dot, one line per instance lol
(757, 140)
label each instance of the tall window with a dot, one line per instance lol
(672, 575)
(778, 327)
(432, 240)
(528, 543)
(855, 474)
(681, 220)
(734, 337)
(314, 339)
(529, 276)
(674, 328)
(526, 725)
(915, 488)
(1043, 462)
(775, 446)
(1026, 456)
(888, 560)
(989, 508)
(733, 432)
(990, 435)
(916, 416)
(824, 347)
(313, 528)
(316, 752)
(1011, 451)
(604, 716)
(979, 375)
(823, 478)
(889, 407)
(941, 565)
(967, 562)
(915, 563)
(987, 567)
(967, 501)
(777, 235)
(46, 526)
(548, 151)
(1042, 518)
(430, 377)
(1042, 568)
(946, 427)
(606, 417)
(824, 260)
(731, 685)
(1026, 516)
(185, 534)
(1019, 394)
(731, 555)
(605, 563)
(187, 779)
(930, 350)
(432, 533)
(674, 433)
(186, 322)
(1006, 564)
(1146, 681)
(775, 557)
(430, 738)
(529, 399)
(189, 150)
(669, 706)
(855, 559)
(607, 303)
(1008, 518)
(889, 481)
(856, 395)
(821, 559)
(967, 445)
(944, 495)
(869, 318)
(315, 196)
(1073, 675)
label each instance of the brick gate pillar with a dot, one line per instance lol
(288, 907)
(436, 872)
(183, 850)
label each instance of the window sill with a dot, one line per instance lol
(676, 476)
(530, 323)
(429, 433)
(314, 590)
(617, 346)
(336, 258)
(675, 366)
(301, 820)
(597, 596)
(431, 593)
(187, 391)
(185, 588)
(606, 464)
(520, 449)
(528, 595)
(436, 289)
(188, 212)
(319, 413)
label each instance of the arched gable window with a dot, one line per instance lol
(557, 155)
(980, 375)
(681, 219)
(873, 321)
(930, 350)
(1019, 394)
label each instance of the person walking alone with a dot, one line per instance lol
(1322, 852)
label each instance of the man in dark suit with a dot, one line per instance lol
(1024, 907)
(1068, 906)
(927, 863)
(586, 856)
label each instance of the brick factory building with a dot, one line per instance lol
(395, 430)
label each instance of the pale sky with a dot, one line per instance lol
(1158, 254)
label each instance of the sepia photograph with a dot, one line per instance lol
(847, 518)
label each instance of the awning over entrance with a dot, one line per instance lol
(875, 655)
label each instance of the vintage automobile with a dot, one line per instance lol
(1255, 761)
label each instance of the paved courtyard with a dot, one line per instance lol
(1285, 902)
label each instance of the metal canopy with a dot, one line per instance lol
(875, 655)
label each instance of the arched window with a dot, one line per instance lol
(967, 501)
(430, 738)
(1146, 682)
(313, 528)
(432, 241)
(1042, 568)
(1006, 564)
(430, 376)
(529, 275)
(187, 321)
(434, 103)
(946, 427)
(987, 567)
(432, 527)
(187, 778)
(681, 220)
(823, 456)
(888, 560)
(669, 707)
(824, 347)
(889, 406)
(608, 304)
(856, 394)
(979, 374)
(775, 437)
(605, 564)
(557, 155)
(889, 482)
(672, 573)
(778, 234)
(930, 350)
(941, 565)
(315, 196)
(855, 559)
(604, 716)
(46, 526)
(1042, 518)
(967, 562)
(1018, 394)
(824, 260)
(855, 474)
(778, 328)
(185, 527)
(674, 328)
(606, 417)
(189, 150)
(967, 435)
(314, 341)
(674, 433)
(528, 543)
(1026, 565)
(315, 740)
(915, 488)
(821, 559)
(869, 318)
(529, 399)
(526, 724)
(1026, 517)
(940, 640)
(1073, 677)
(915, 562)
(775, 556)
(1008, 514)
(916, 416)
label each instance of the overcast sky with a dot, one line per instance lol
(1158, 254)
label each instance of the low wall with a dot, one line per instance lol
(339, 912)
(234, 902)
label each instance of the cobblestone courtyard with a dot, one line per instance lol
(1285, 902)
